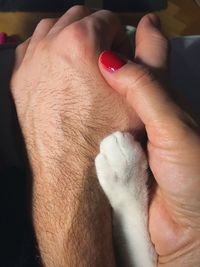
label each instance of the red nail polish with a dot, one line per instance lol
(111, 61)
(3, 38)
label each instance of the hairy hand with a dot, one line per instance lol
(65, 108)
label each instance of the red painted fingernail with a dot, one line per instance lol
(3, 38)
(111, 61)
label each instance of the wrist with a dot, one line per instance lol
(69, 211)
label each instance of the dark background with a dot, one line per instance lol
(62, 5)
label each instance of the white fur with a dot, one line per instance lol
(121, 168)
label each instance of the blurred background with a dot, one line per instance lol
(179, 17)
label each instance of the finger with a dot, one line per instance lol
(20, 52)
(73, 14)
(151, 44)
(109, 31)
(152, 104)
(40, 33)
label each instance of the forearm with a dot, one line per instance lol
(72, 221)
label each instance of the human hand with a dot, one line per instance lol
(173, 146)
(65, 108)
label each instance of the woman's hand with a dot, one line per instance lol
(173, 146)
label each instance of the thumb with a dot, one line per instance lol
(151, 45)
(146, 96)
(172, 144)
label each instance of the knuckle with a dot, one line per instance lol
(77, 33)
(105, 12)
(44, 23)
(83, 34)
(101, 21)
(78, 9)
(108, 16)
(78, 30)
(21, 47)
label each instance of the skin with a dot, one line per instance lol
(173, 149)
(65, 107)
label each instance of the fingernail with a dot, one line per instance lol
(3, 38)
(111, 61)
(155, 20)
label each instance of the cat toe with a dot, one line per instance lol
(111, 148)
(106, 175)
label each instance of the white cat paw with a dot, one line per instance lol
(121, 166)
